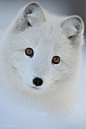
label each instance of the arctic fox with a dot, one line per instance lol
(40, 58)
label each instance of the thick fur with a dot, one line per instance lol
(49, 36)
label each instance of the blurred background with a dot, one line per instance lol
(19, 118)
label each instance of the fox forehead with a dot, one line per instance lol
(45, 34)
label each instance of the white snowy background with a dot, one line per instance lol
(12, 116)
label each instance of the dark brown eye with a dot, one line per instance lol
(29, 52)
(56, 60)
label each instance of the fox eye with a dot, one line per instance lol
(29, 52)
(55, 59)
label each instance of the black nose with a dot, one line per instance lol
(37, 81)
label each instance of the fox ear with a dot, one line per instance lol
(30, 15)
(73, 27)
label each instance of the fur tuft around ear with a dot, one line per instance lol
(73, 26)
(34, 14)
(30, 15)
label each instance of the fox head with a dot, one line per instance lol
(41, 55)
(42, 49)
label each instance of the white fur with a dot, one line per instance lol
(48, 35)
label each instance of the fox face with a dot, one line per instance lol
(43, 50)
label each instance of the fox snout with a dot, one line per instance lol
(37, 81)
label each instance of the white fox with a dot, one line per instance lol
(40, 59)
